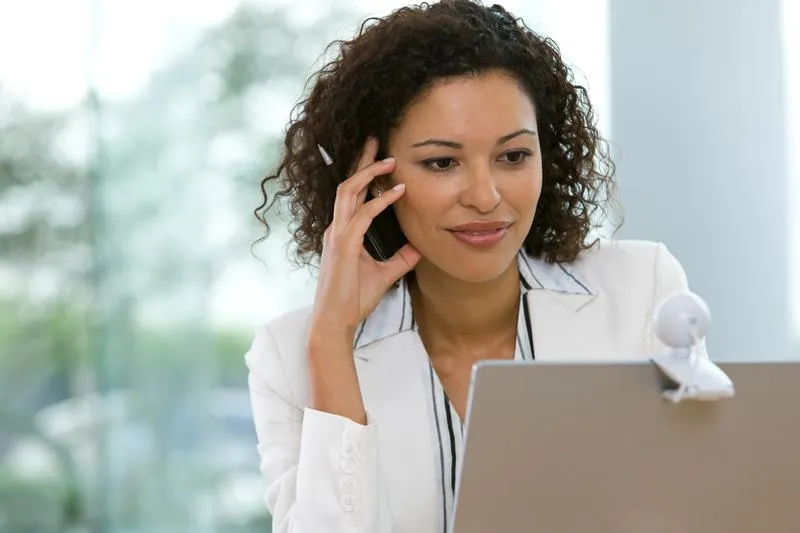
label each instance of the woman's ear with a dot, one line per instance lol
(380, 185)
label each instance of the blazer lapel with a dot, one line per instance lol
(566, 315)
(393, 373)
(562, 325)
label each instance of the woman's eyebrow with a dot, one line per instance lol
(457, 145)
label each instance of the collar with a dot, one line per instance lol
(393, 315)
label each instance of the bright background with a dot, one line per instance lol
(132, 141)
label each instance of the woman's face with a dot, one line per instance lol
(468, 152)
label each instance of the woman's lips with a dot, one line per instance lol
(480, 234)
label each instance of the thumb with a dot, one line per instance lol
(402, 262)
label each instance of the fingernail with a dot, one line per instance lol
(399, 187)
(388, 160)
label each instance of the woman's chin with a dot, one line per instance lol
(471, 268)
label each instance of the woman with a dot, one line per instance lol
(474, 160)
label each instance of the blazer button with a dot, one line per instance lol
(348, 503)
(348, 450)
(349, 485)
(349, 465)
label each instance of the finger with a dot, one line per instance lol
(362, 196)
(367, 156)
(367, 213)
(401, 263)
(369, 151)
(358, 182)
(348, 194)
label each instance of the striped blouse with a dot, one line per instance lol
(395, 308)
(450, 428)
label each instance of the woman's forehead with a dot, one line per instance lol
(471, 107)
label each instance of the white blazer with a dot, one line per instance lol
(325, 473)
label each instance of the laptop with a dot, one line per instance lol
(595, 448)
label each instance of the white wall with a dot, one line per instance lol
(699, 125)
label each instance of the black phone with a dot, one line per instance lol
(384, 236)
(385, 229)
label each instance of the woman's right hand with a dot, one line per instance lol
(352, 283)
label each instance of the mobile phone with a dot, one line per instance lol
(384, 235)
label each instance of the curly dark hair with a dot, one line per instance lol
(365, 90)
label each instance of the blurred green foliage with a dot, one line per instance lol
(104, 216)
(49, 244)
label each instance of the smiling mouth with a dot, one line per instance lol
(481, 236)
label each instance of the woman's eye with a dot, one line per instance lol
(443, 164)
(439, 164)
(516, 157)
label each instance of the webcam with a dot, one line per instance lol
(680, 322)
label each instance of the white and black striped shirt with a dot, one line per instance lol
(394, 315)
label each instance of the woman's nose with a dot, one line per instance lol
(480, 191)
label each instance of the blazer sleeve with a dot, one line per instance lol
(669, 277)
(321, 470)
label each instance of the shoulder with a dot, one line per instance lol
(625, 251)
(285, 333)
(639, 264)
(289, 327)
(277, 353)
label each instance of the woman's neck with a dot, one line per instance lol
(459, 313)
